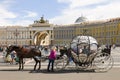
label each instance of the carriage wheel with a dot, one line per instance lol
(61, 63)
(102, 62)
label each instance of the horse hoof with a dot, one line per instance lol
(38, 69)
(19, 69)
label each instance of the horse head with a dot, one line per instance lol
(107, 49)
(12, 48)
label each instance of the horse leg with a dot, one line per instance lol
(19, 64)
(39, 65)
(35, 65)
(36, 62)
(22, 64)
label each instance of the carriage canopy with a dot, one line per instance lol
(84, 40)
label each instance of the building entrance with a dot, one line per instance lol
(42, 38)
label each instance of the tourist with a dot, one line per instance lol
(13, 55)
(52, 58)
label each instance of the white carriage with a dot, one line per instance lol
(86, 55)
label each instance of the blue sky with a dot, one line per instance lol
(49, 8)
(24, 12)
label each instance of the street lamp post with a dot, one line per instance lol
(16, 33)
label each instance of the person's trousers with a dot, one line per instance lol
(51, 63)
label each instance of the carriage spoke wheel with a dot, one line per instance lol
(60, 64)
(103, 62)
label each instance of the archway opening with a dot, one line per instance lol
(42, 38)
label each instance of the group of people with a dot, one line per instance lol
(11, 58)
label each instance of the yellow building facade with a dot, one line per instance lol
(43, 33)
(106, 31)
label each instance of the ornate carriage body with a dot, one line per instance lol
(85, 55)
(84, 48)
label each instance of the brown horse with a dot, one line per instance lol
(22, 52)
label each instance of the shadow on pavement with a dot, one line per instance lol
(63, 71)
(44, 71)
(15, 70)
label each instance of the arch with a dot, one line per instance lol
(41, 38)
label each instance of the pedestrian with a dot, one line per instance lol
(4, 54)
(46, 50)
(13, 55)
(113, 46)
(52, 58)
